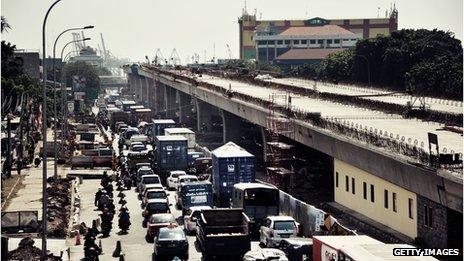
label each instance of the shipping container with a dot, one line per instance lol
(187, 133)
(171, 153)
(231, 164)
(159, 125)
(328, 247)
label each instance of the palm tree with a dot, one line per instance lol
(5, 25)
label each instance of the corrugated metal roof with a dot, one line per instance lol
(230, 150)
(171, 138)
(308, 54)
(329, 29)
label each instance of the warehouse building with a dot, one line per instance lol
(367, 28)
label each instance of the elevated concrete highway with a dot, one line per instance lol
(171, 91)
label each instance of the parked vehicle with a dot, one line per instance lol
(157, 221)
(223, 232)
(276, 228)
(231, 164)
(261, 254)
(190, 220)
(153, 193)
(297, 248)
(172, 179)
(171, 242)
(154, 206)
(190, 194)
(257, 200)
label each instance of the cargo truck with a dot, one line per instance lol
(171, 154)
(223, 232)
(231, 165)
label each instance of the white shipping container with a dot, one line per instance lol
(187, 133)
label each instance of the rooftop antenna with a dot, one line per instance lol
(244, 10)
(214, 52)
(378, 10)
(260, 16)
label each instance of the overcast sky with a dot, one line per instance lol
(135, 28)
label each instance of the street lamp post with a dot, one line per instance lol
(44, 139)
(54, 97)
(64, 105)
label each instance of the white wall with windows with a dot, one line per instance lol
(375, 198)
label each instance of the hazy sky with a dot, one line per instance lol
(135, 28)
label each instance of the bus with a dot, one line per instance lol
(257, 200)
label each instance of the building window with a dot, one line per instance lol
(320, 41)
(312, 41)
(364, 190)
(296, 41)
(347, 184)
(304, 42)
(372, 193)
(287, 41)
(261, 42)
(271, 42)
(336, 179)
(329, 41)
(279, 42)
(428, 213)
(337, 41)
(352, 186)
(395, 209)
(385, 198)
(410, 202)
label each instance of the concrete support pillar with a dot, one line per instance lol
(204, 111)
(159, 105)
(231, 124)
(264, 141)
(185, 108)
(170, 99)
(147, 88)
(140, 89)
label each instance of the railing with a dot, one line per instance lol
(395, 145)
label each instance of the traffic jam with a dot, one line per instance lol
(197, 204)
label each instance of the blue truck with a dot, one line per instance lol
(231, 165)
(191, 194)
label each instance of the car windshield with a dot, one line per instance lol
(157, 207)
(138, 148)
(151, 180)
(156, 194)
(284, 225)
(146, 172)
(171, 234)
(162, 218)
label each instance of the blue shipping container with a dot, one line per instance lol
(159, 125)
(171, 153)
(231, 164)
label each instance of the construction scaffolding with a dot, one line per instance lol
(279, 155)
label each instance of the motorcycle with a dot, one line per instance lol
(127, 182)
(124, 221)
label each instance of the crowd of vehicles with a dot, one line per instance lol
(221, 203)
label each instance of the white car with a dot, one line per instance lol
(172, 179)
(142, 171)
(265, 254)
(190, 221)
(148, 179)
(185, 178)
(276, 228)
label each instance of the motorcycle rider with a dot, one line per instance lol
(124, 220)
(127, 181)
(107, 222)
(103, 200)
(91, 249)
(98, 196)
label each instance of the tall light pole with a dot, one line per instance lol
(44, 139)
(64, 94)
(54, 98)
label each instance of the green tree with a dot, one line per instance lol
(84, 73)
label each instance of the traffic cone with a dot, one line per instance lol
(78, 238)
(117, 251)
